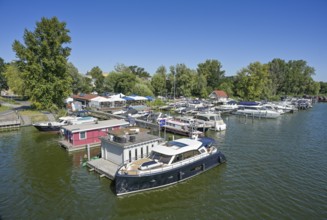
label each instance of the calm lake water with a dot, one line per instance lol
(276, 169)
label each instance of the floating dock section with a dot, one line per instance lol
(103, 167)
(9, 125)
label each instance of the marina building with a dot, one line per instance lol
(123, 146)
(76, 137)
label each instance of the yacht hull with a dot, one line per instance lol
(126, 184)
(47, 127)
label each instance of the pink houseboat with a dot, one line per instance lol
(77, 137)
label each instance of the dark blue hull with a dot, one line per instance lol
(125, 184)
(48, 128)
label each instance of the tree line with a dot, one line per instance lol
(42, 73)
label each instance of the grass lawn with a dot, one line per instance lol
(11, 101)
(4, 108)
(35, 116)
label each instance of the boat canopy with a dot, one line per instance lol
(176, 143)
(206, 141)
(178, 146)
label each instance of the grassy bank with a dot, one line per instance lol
(4, 108)
(35, 116)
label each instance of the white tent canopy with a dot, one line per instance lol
(98, 101)
(110, 102)
(116, 99)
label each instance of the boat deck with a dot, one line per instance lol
(133, 169)
(103, 167)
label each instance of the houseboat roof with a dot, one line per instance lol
(178, 146)
(94, 126)
(131, 140)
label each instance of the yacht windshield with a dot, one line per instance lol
(160, 157)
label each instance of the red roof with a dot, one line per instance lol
(84, 96)
(220, 93)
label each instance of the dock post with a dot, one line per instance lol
(88, 152)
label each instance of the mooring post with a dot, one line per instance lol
(88, 152)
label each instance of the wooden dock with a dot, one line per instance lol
(9, 125)
(70, 148)
(103, 167)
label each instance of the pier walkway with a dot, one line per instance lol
(9, 120)
(103, 167)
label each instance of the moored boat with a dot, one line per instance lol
(68, 120)
(213, 120)
(169, 163)
(177, 126)
(48, 126)
(256, 111)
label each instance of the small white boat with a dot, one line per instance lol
(177, 126)
(256, 111)
(67, 120)
(228, 107)
(214, 120)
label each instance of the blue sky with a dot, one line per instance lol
(151, 33)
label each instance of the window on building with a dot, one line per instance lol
(142, 152)
(136, 154)
(147, 150)
(82, 135)
(130, 156)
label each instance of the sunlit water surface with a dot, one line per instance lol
(276, 169)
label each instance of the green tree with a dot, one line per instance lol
(253, 82)
(3, 80)
(277, 70)
(227, 85)
(125, 83)
(110, 81)
(184, 80)
(299, 77)
(313, 88)
(80, 83)
(43, 62)
(14, 79)
(212, 70)
(158, 81)
(142, 90)
(200, 88)
(139, 71)
(121, 68)
(323, 88)
(97, 75)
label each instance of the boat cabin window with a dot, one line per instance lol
(160, 157)
(178, 157)
(200, 117)
(185, 155)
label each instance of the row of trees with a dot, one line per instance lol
(43, 73)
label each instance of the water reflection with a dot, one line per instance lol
(275, 170)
